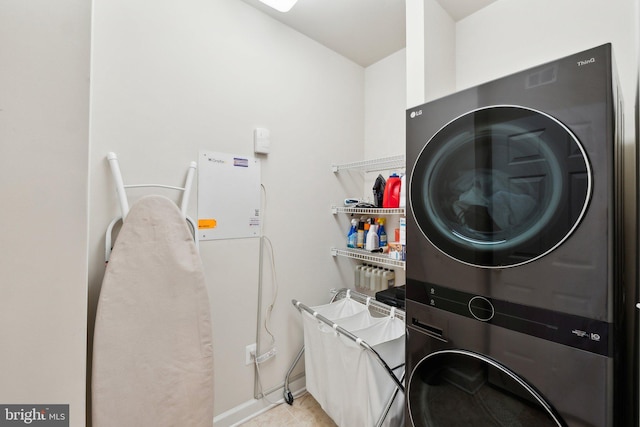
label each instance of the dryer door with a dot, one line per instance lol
(462, 388)
(500, 186)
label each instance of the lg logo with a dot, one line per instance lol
(415, 114)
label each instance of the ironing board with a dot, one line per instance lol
(152, 350)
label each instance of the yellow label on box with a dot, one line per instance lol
(204, 224)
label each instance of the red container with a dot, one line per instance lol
(391, 197)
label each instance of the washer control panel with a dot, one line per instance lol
(576, 331)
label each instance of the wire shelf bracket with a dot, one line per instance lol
(383, 163)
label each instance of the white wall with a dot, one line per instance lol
(439, 45)
(44, 107)
(415, 52)
(431, 47)
(501, 38)
(182, 76)
(385, 105)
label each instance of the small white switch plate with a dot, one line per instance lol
(261, 141)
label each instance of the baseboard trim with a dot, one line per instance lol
(254, 407)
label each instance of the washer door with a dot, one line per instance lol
(500, 186)
(462, 388)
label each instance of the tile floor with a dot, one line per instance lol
(305, 412)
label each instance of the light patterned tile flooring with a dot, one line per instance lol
(305, 412)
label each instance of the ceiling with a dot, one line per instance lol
(364, 31)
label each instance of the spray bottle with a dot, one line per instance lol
(352, 236)
(382, 234)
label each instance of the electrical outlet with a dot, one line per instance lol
(248, 357)
(266, 356)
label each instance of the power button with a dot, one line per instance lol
(481, 308)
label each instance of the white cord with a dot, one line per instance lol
(264, 396)
(274, 278)
(267, 319)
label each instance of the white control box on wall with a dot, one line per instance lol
(228, 196)
(261, 141)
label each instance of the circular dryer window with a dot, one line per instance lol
(462, 388)
(500, 186)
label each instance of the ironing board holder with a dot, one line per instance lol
(124, 203)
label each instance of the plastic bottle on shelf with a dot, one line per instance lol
(372, 279)
(372, 238)
(352, 236)
(357, 272)
(367, 276)
(382, 234)
(367, 227)
(391, 197)
(362, 280)
(388, 279)
(360, 235)
(379, 274)
(403, 192)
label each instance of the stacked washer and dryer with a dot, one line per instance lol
(515, 286)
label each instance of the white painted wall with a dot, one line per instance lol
(502, 39)
(385, 105)
(415, 52)
(440, 48)
(44, 101)
(182, 76)
(431, 47)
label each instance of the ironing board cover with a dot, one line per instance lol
(152, 349)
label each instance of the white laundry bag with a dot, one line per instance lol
(368, 385)
(347, 380)
(317, 362)
(328, 367)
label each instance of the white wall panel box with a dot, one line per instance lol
(261, 141)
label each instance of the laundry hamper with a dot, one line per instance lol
(354, 362)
